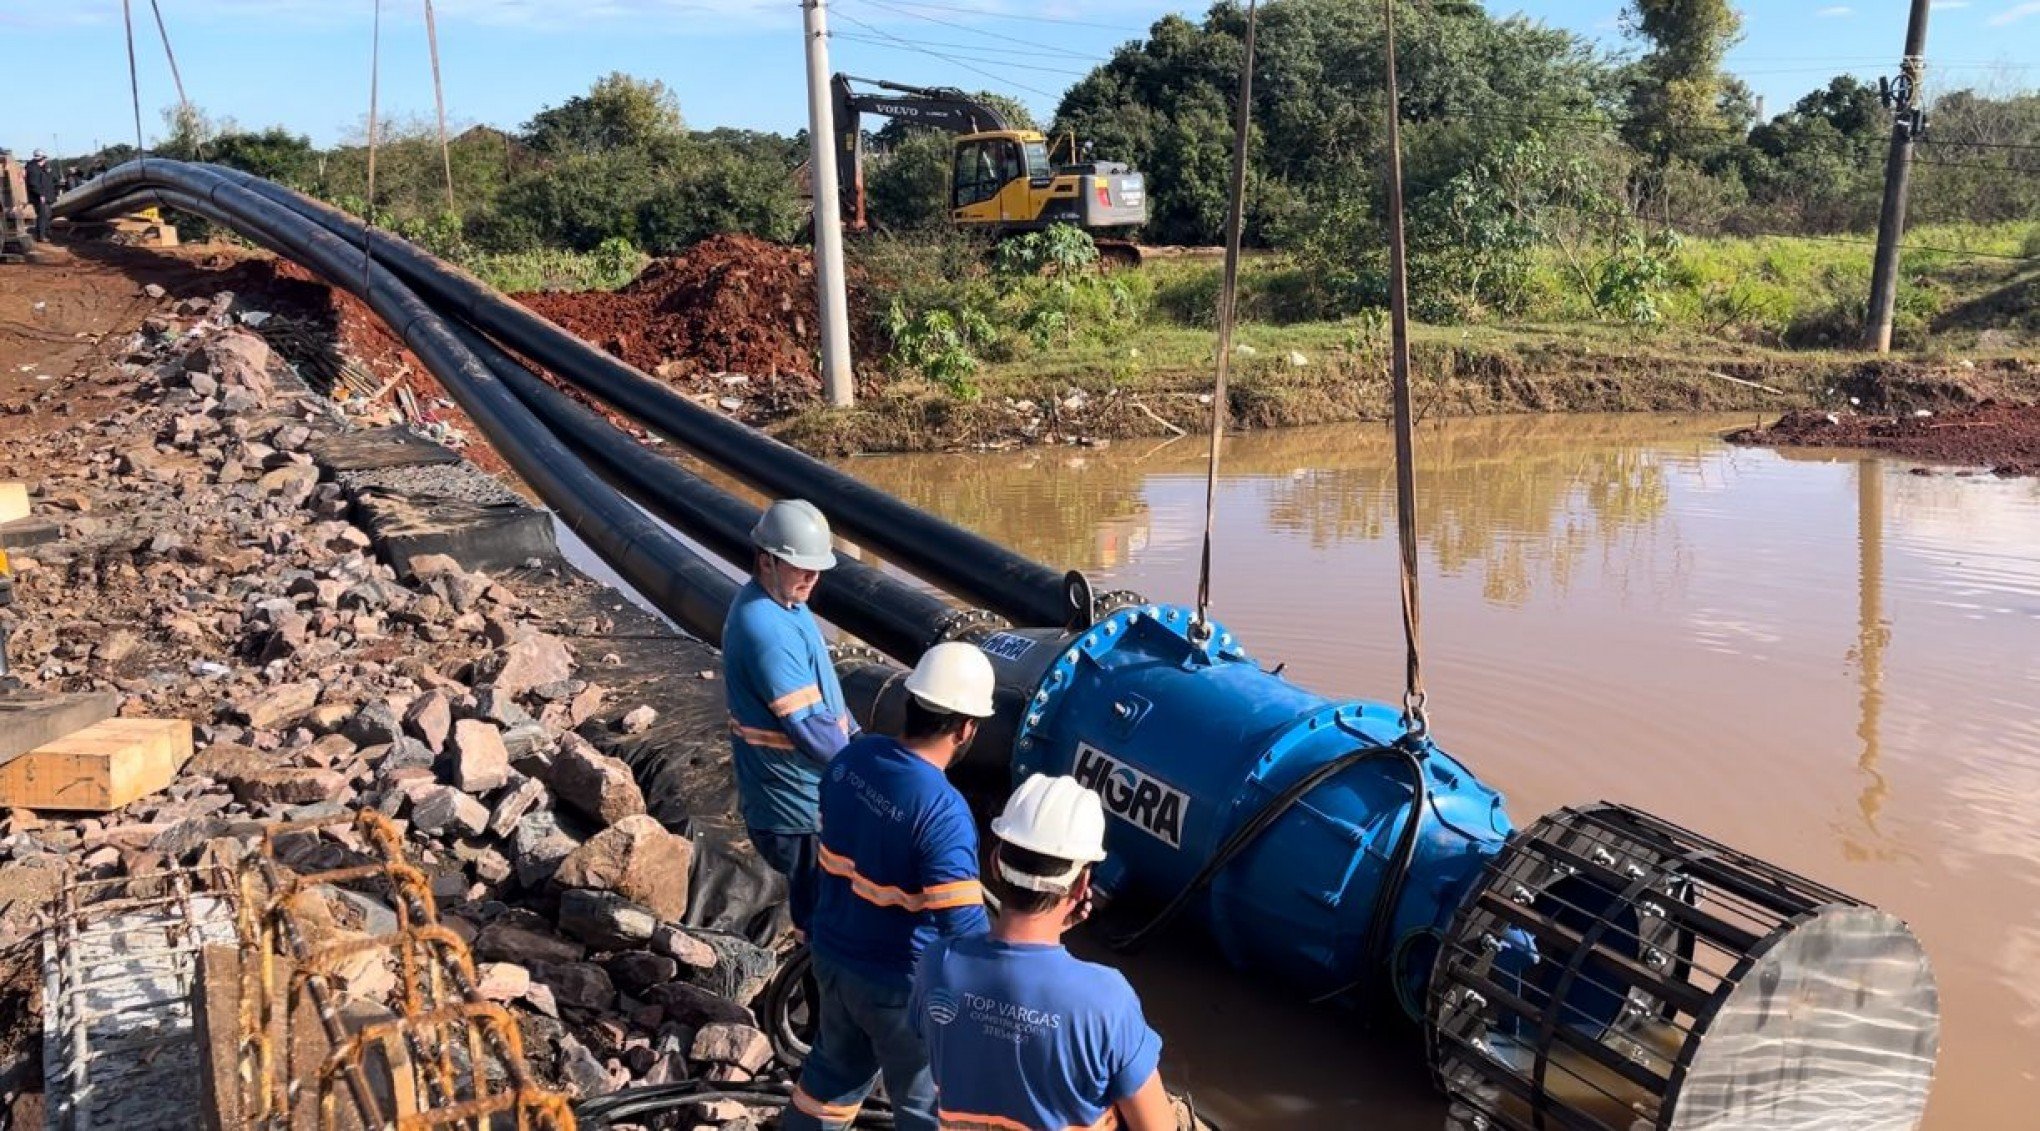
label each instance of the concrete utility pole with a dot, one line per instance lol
(1897, 172)
(835, 300)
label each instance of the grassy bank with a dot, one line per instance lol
(1742, 324)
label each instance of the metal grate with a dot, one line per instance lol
(1615, 971)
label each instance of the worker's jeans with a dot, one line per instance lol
(42, 220)
(791, 855)
(866, 1031)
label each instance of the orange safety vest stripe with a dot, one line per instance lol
(941, 897)
(759, 736)
(967, 1121)
(827, 1113)
(796, 700)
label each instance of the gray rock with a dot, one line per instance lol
(480, 761)
(577, 985)
(638, 971)
(442, 809)
(725, 1043)
(278, 706)
(527, 662)
(518, 802)
(537, 848)
(637, 720)
(605, 920)
(429, 719)
(525, 942)
(582, 1073)
(637, 859)
(587, 780)
(376, 724)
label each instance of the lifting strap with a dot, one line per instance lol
(127, 16)
(1415, 720)
(1228, 296)
(439, 98)
(177, 78)
(368, 210)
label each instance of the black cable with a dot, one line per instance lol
(775, 1009)
(1032, 44)
(984, 15)
(902, 45)
(911, 45)
(633, 1105)
(1259, 823)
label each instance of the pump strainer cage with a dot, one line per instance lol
(1614, 972)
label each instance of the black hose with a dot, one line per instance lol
(1388, 896)
(975, 568)
(795, 978)
(635, 1105)
(676, 580)
(889, 614)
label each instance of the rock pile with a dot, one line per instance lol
(205, 569)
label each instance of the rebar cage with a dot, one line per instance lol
(1615, 972)
(228, 996)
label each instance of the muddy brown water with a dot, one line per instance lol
(1821, 659)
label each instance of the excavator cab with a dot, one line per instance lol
(1004, 180)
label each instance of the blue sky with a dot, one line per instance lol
(304, 63)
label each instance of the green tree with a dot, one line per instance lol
(1818, 166)
(1676, 97)
(274, 154)
(618, 112)
(907, 188)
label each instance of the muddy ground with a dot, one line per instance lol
(2001, 438)
(208, 555)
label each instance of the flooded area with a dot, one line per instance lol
(1822, 659)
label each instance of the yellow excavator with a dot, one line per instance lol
(1002, 179)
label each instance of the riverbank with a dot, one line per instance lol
(1328, 373)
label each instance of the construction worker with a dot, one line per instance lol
(787, 715)
(899, 868)
(1021, 1035)
(42, 191)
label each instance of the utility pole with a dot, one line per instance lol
(828, 218)
(1905, 123)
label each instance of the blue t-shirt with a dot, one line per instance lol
(1029, 1036)
(898, 861)
(787, 715)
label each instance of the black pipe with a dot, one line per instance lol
(976, 569)
(889, 614)
(676, 580)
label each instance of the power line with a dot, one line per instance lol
(982, 14)
(912, 46)
(1932, 140)
(1005, 51)
(901, 45)
(912, 15)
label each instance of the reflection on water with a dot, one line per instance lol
(1819, 658)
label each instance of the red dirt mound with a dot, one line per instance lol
(1999, 436)
(731, 305)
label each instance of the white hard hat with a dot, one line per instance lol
(953, 677)
(1056, 817)
(794, 531)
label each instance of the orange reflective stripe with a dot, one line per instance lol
(961, 893)
(967, 1121)
(796, 700)
(827, 1113)
(760, 736)
(941, 897)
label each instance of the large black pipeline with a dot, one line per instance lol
(889, 614)
(676, 580)
(973, 567)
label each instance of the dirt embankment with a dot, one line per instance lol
(2005, 438)
(732, 319)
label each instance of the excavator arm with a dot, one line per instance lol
(943, 108)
